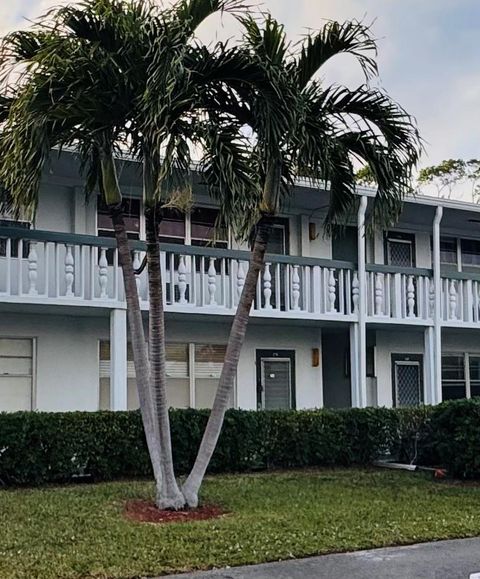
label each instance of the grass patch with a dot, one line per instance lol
(80, 531)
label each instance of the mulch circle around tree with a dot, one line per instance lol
(146, 512)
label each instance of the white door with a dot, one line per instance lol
(16, 374)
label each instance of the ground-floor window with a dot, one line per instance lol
(16, 374)
(460, 376)
(193, 372)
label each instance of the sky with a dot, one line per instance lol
(429, 57)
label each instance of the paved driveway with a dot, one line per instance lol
(443, 560)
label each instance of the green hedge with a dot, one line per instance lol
(37, 447)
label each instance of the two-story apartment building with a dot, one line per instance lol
(388, 320)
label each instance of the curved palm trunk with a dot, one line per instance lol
(236, 339)
(169, 495)
(140, 355)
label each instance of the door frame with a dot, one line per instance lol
(275, 355)
(416, 359)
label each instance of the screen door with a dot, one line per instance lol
(407, 383)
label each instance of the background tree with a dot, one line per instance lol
(324, 130)
(365, 177)
(452, 177)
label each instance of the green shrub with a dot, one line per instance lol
(38, 447)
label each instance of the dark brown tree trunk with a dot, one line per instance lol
(169, 495)
(236, 339)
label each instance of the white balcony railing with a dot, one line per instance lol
(401, 294)
(48, 267)
(55, 268)
(460, 303)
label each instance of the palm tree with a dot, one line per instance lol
(327, 128)
(107, 76)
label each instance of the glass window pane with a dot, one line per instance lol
(448, 250)
(172, 226)
(131, 212)
(470, 252)
(203, 227)
(453, 368)
(474, 362)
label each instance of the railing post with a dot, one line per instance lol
(332, 290)
(240, 279)
(431, 297)
(410, 297)
(212, 281)
(267, 286)
(103, 272)
(295, 288)
(136, 267)
(69, 270)
(32, 269)
(355, 292)
(182, 280)
(379, 294)
(452, 300)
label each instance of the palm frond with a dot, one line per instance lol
(375, 110)
(335, 38)
(193, 12)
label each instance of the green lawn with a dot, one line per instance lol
(79, 531)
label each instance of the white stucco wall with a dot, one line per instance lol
(55, 208)
(309, 389)
(66, 361)
(66, 374)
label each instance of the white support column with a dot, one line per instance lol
(437, 320)
(118, 360)
(429, 365)
(361, 379)
(354, 363)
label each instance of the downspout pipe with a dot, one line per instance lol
(437, 319)
(361, 401)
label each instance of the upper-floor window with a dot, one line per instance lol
(198, 227)
(400, 249)
(131, 215)
(470, 252)
(448, 250)
(459, 253)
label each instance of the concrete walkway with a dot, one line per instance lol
(458, 559)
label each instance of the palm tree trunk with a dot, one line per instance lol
(169, 495)
(236, 339)
(113, 199)
(139, 346)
